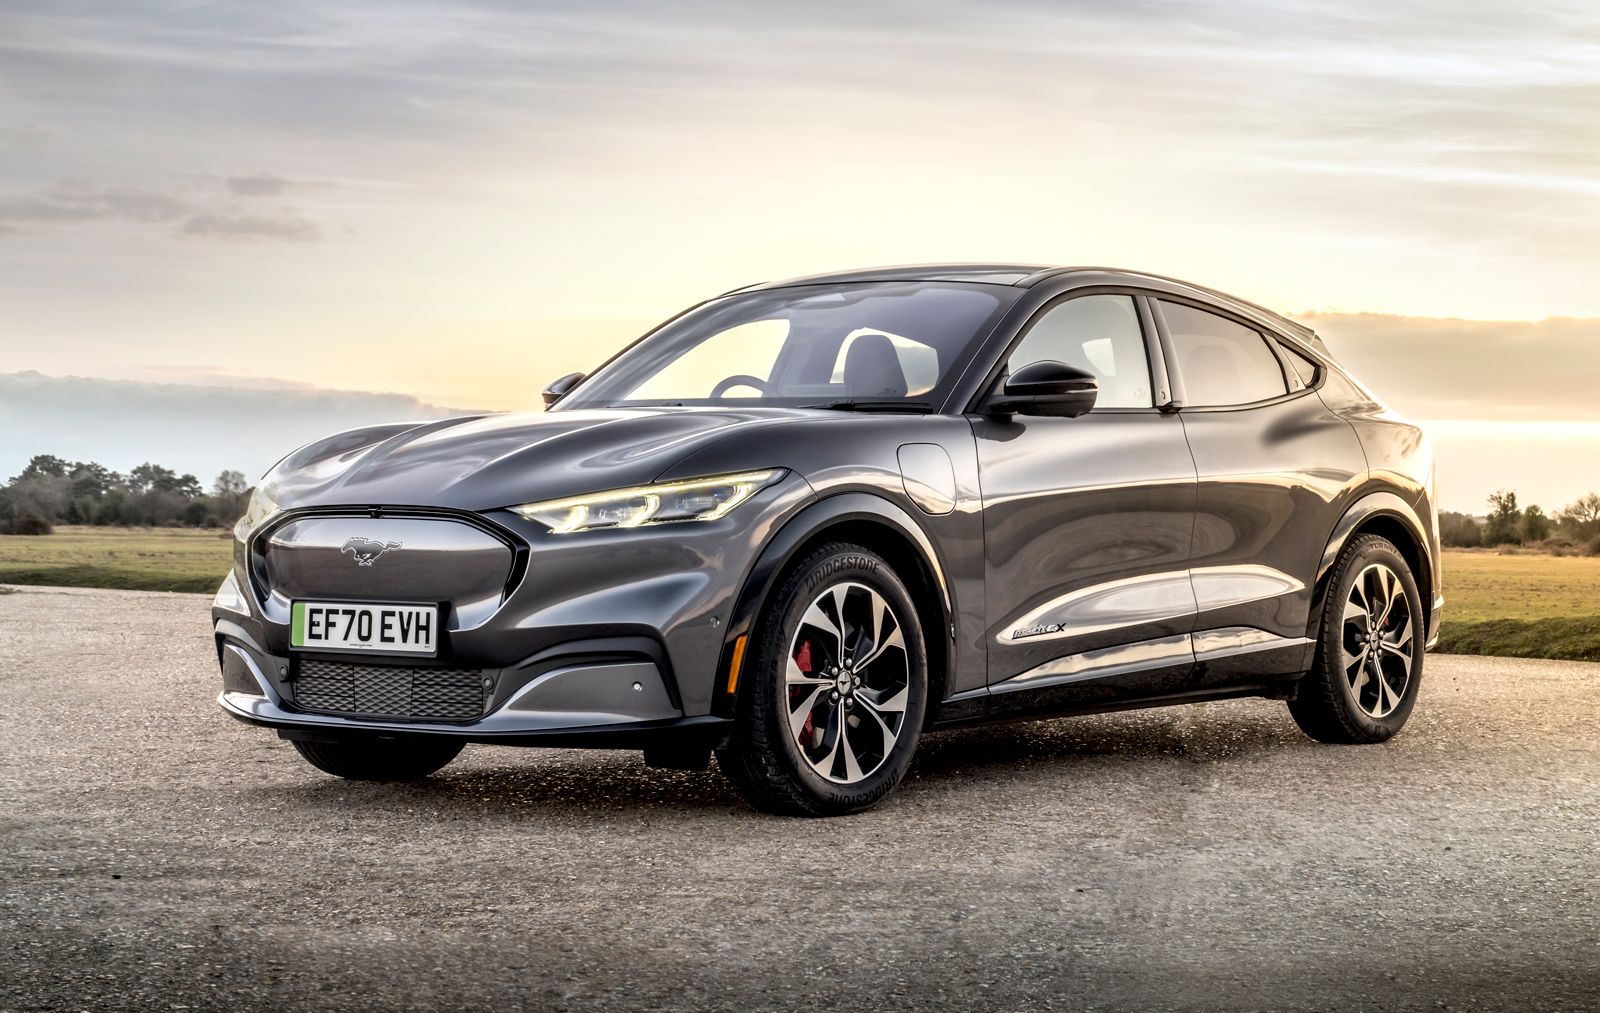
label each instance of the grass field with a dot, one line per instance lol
(1522, 606)
(138, 559)
(1518, 606)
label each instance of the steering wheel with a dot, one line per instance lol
(738, 380)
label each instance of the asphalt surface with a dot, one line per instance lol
(157, 855)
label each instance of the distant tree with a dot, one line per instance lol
(1459, 530)
(147, 477)
(1503, 524)
(92, 481)
(230, 483)
(229, 496)
(1535, 524)
(110, 509)
(44, 466)
(42, 496)
(187, 486)
(1581, 519)
(29, 523)
(53, 491)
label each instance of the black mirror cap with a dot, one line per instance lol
(558, 388)
(1046, 388)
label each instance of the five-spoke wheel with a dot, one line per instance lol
(1379, 640)
(832, 699)
(848, 681)
(1364, 680)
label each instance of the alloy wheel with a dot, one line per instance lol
(1379, 641)
(848, 682)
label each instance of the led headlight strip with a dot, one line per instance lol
(699, 499)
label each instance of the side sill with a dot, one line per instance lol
(975, 711)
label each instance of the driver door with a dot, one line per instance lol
(1088, 521)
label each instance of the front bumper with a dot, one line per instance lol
(621, 703)
(609, 639)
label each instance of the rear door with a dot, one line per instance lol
(1087, 521)
(1273, 465)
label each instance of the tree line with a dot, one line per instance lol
(52, 491)
(1574, 529)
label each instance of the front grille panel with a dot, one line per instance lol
(422, 559)
(388, 691)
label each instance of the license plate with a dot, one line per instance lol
(380, 629)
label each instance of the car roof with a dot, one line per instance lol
(1029, 275)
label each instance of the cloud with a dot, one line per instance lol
(1470, 369)
(262, 184)
(78, 203)
(75, 203)
(289, 227)
(201, 430)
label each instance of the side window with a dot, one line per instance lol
(1302, 365)
(1099, 333)
(1222, 363)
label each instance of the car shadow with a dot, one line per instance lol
(516, 784)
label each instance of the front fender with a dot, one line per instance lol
(785, 545)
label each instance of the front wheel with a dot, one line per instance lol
(832, 699)
(380, 759)
(1368, 667)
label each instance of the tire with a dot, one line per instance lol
(803, 694)
(375, 759)
(1347, 697)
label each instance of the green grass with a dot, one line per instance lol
(1522, 606)
(139, 559)
(1574, 639)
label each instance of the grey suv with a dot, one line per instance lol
(803, 523)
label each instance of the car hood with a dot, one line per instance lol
(492, 461)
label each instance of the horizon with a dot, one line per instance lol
(1500, 448)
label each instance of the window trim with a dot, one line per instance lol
(1142, 315)
(1270, 338)
(1286, 350)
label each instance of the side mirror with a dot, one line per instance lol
(1046, 388)
(558, 388)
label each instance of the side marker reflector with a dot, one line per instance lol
(733, 666)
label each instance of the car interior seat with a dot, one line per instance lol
(872, 369)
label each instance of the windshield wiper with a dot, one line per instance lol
(851, 404)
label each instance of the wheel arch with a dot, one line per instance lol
(873, 523)
(1390, 516)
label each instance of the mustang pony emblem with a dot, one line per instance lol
(366, 551)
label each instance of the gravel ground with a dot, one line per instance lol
(157, 855)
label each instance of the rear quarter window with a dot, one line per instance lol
(1308, 371)
(1222, 362)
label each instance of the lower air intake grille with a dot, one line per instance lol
(384, 691)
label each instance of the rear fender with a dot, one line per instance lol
(1371, 507)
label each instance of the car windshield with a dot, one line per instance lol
(868, 345)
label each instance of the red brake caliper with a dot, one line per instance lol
(802, 661)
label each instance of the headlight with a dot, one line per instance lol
(260, 509)
(700, 499)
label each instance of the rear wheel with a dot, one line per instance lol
(1364, 682)
(833, 697)
(380, 759)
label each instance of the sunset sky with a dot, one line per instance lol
(460, 201)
